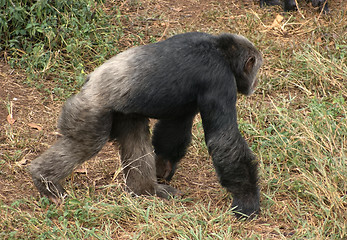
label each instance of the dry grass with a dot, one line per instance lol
(295, 123)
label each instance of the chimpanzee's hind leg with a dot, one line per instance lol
(132, 132)
(85, 129)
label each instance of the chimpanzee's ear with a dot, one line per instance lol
(249, 64)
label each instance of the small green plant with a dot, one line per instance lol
(58, 40)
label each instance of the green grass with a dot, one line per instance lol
(295, 123)
(58, 41)
(80, 219)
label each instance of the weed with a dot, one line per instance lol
(57, 40)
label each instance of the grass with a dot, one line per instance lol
(295, 123)
(58, 40)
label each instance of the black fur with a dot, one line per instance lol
(290, 5)
(171, 81)
(171, 137)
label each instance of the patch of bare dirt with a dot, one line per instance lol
(164, 18)
(26, 126)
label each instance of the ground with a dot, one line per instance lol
(28, 115)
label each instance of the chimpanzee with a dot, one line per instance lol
(290, 5)
(171, 81)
